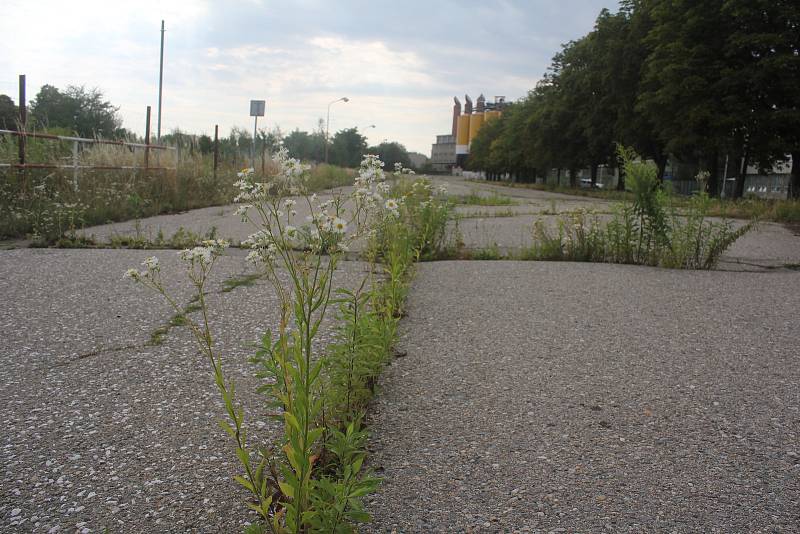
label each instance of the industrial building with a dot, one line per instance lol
(451, 150)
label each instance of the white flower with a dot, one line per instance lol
(202, 255)
(133, 274)
(391, 204)
(288, 203)
(338, 225)
(151, 263)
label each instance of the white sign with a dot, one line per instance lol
(257, 108)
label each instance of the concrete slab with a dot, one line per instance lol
(102, 430)
(589, 397)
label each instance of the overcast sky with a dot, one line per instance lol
(400, 62)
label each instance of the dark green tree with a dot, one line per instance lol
(348, 148)
(205, 144)
(391, 153)
(9, 113)
(83, 111)
(762, 53)
(685, 90)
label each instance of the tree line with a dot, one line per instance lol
(701, 83)
(86, 113)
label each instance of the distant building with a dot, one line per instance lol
(452, 150)
(443, 153)
(418, 160)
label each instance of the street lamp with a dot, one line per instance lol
(328, 123)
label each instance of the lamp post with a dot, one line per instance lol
(328, 123)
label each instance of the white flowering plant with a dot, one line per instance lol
(314, 481)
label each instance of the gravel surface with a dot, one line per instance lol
(102, 430)
(553, 397)
(538, 396)
(222, 220)
(510, 227)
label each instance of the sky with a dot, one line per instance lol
(399, 62)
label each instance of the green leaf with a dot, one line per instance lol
(291, 420)
(243, 455)
(357, 464)
(227, 428)
(246, 483)
(287, 489)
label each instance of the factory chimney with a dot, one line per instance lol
(456, 113)
(481, 104)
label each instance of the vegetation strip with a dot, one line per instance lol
(311, 478)
(776, 210)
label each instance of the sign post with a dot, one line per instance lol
(257, 108)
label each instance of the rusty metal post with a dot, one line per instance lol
(23, 119)
(75, 165)
(216, 149)
(147, 140)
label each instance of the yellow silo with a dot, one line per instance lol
(475, 123)
(490, 115)
(462, 135)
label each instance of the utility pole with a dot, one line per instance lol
(23, 119)
(147, 141)
(160, 83)
(328, 122)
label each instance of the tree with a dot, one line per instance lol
(348, 147)
(269, 142)
(626, 52)
(763, 56)
(391, 153)
(686, 90)
(305, 146)
(205, 144)
(84, 112)
(9, 113)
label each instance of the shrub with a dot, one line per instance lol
(647, 230)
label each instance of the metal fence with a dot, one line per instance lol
(76, 142)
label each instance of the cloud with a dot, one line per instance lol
(400, 63)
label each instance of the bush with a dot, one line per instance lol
(648, 230)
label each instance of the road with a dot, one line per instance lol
(533, 395)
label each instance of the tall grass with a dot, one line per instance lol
(648, 230)
(46, 203)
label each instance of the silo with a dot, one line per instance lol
(491, 115)
(462, 136)
(475, 123)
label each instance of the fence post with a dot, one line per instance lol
(147, 141)
(23, 119)
(75, 166)
(216, 149)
